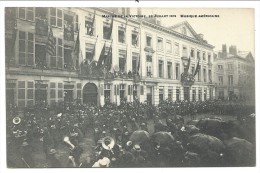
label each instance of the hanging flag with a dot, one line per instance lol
(197, 68)
(77, 45)
(51, 44)
(91, 32)
(111, 28)
(101, 56)
(187, 69)
(108, 60)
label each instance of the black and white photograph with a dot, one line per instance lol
(129, 87)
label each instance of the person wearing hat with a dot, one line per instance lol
(26, 155)
(102, 163)
(52, 160)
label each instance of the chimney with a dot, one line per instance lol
(233, 50)
(224, 48)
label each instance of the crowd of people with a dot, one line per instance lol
(124, 135)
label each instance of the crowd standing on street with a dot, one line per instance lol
(133, 134)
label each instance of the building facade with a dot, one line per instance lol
(63, 54)
(235, 74)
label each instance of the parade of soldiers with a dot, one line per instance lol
(133, 134)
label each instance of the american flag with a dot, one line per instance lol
(51, 44)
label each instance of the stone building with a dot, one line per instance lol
(84, 54)
(235, 74)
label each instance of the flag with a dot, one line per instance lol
(197, 68)
(111, 28)
(101, 56)
(76, 46)
(187, 69)
(91, 32)
(108, 60)
(51, 44)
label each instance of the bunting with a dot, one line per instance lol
(51, 44)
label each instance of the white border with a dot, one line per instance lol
(160, 4)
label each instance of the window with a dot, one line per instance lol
(40, 56)
(122, 60)
(204, 75)
(107, 92)
(177, 94)
(160, 69)
(107, 30)
(26, 13)
(209, 58)
(68, 62)
(230, 66)
(56, 17)
(89, 25)
(184, 51)
(25, 93)
(121, 35)
(204, 56)
(68, 92)
(159, 44)
(198, 54)
(134, 38)
(170, 92)
(220, 67)
(41, 21)
(176, 49)
(169, 70)
(210, 76)
(26, 48)
(52, 92)
(148, 41)
(199, 74)
(192, 53)
(60, 91)
(205, 94)
(56, 61)
(169, 46)
(177, 71)
(89, 51)
(161, 95)
(200, 95)
(135, 62)
(230, 80)
(221, 95)
(148, 66)
(220, 80)
(68, 27)
(193, 94)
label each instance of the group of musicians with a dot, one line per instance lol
(110, 127)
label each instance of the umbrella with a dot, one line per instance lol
(163, 138)
(203, 143)
(139, 136)
(191, 129)
(239, 152)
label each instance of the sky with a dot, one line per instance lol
(234, 26)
